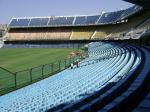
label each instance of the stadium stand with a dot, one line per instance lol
(50, 34)
(133, 23)
(60, 35)
(108, 68)
(2, 33)
(99, 35)
(145, 23)
(104, 18)
(115, 76)
(133, 92)
(102, 32)
(81, 34)
(144, 106)
(126, 91)
(109, 25)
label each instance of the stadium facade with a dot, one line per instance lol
(104, 26)
(115, 77)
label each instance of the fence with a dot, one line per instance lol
(11, 81)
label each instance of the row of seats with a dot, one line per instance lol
(109, 79)
(123, 66)
(145, 23)
(102, 32)
(64, 35)
(144, 106)
(51, 35)
(124, 95)
(131, 95)
(70, 85)
(104, 18)
(123, 29)
(81, 35)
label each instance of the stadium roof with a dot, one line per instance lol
(144, 3)
(101, 19)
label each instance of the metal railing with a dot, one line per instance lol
(10, 81)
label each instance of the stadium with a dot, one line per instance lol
(84, 63)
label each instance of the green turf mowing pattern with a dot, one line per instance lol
(18, 59)
(23, 59)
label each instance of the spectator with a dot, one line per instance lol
(77, 63)
(71, 66)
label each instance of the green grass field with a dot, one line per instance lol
(19, 59)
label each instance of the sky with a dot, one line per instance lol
(37, 8)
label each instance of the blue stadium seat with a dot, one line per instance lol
(132, 93)
(83, 88)
(144, 106)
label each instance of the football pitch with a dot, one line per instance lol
(17, 59)
(23, 59)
